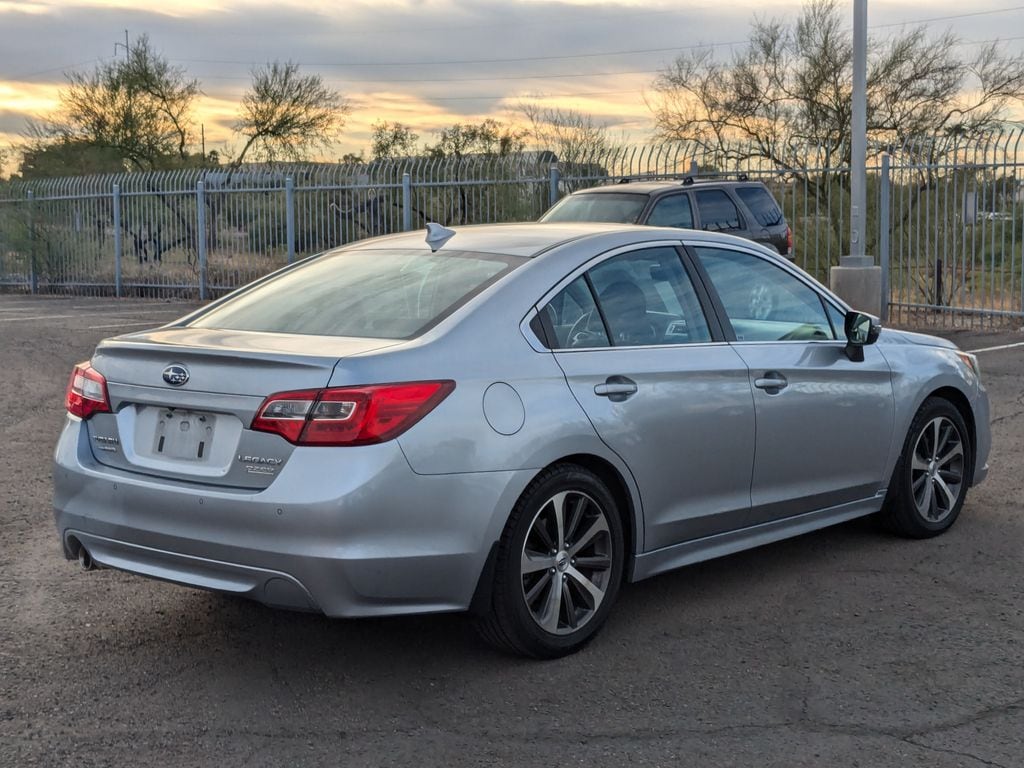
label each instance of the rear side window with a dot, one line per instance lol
(717, 211)
(378, 294)
(643, 298)
(761, 204)
(647, 299)
(614, 208)
(672, 211)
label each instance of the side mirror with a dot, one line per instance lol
(860, 329)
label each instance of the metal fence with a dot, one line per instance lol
(945, 216)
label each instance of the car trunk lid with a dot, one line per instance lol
(182, 400)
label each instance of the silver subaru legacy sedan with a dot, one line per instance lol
(511, 420)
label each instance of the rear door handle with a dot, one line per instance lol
(772, 382)
(616, 388)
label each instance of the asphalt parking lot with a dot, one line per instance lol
(842, 648)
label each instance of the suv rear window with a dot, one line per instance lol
(761, 204)
(624, 208)
(377, 294)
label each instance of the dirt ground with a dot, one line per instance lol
(846, 647)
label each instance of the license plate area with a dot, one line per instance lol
(181, 435)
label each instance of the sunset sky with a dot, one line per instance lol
(427, 63)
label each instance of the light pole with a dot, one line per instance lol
(858, 128)
(857, 280)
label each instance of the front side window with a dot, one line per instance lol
(763, 301)
(611, 207)
(838, 320)
(379, 294)
(717, 211)
(672, 211)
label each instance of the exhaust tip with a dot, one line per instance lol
(85, 559)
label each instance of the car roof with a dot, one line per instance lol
(528, 239)
(533, 238)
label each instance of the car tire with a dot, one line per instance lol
(555, 583)
(931, 477)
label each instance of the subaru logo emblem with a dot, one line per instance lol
(175, 375)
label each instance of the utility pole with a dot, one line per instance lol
(123, 45)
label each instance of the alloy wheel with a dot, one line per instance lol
(566, 562)
(937, 469)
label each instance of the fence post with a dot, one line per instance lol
(554, 176)
(201, 236)
(406, 202)
(33, 276)
(884, 227)
(118, 243)
(289, 216)
(694, 168)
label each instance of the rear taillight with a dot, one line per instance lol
(349, 415)
(789, 240)
(87, 392)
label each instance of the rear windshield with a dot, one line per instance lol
(761, 204)
(615, 208)
(378, 294)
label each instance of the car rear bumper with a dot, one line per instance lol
(345, 531)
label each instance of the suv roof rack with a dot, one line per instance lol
(688, 180)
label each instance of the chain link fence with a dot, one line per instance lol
(944, 219)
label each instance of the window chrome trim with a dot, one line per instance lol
(646, 347)
(839, 343)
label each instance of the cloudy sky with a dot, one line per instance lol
(427, 63)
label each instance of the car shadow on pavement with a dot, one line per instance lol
(701, 593)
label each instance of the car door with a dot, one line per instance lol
(824, 422)
(661, 387)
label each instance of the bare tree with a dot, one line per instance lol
(140, 107)
(286, 114)
(488, 137)
(571, 135)
(790, 87)
(392, 140)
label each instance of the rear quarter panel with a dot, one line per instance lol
(482, 345)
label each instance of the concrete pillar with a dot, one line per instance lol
(858, 282)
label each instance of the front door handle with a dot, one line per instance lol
(616, 388)
(772, 382)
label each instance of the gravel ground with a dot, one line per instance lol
(846, 647)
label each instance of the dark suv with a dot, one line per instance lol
(738, 207)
